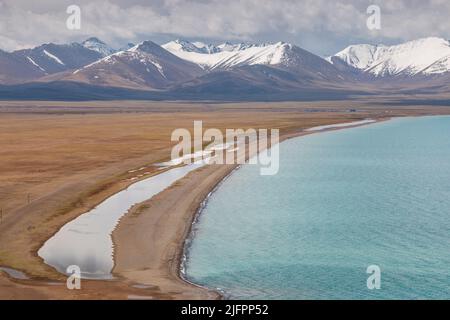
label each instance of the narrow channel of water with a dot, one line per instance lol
(13, 273)
(86, 241)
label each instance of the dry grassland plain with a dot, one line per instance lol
(60, 159)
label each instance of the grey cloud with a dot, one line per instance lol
(322, 26)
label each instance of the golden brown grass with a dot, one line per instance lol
(66, 157)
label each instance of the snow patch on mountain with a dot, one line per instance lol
(145, 53)
(99, 46)
(35, 64)
(360, 56)
(51, 56)
(424, 56)
(227, 55)
(440, 66)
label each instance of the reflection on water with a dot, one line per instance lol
(86, 241)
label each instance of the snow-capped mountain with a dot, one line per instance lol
(428, 56)
(47, 59)
(186, 46)
(233, 69)
(226, 55)
(51, 58)
(145, 65)
(99, 46)
(179, 46)
(30, 64)
(180, 69)
(300, 64)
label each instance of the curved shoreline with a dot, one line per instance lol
(191, 235)
(124, 136)
(171, 259)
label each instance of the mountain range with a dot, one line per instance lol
(426, 57)
(194, 70)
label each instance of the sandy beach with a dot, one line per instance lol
(149, 240)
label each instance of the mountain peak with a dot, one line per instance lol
(406, 59)
(97, 45)
(228, 55)
(187, 46)
(146, 46)
(359, 56)
(93, 40)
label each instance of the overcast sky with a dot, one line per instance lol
(320, 26)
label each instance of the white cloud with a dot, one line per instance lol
(24, 24)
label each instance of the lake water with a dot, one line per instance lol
(86, 241)
(342, 201)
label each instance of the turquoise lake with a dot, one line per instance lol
(342, 201)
